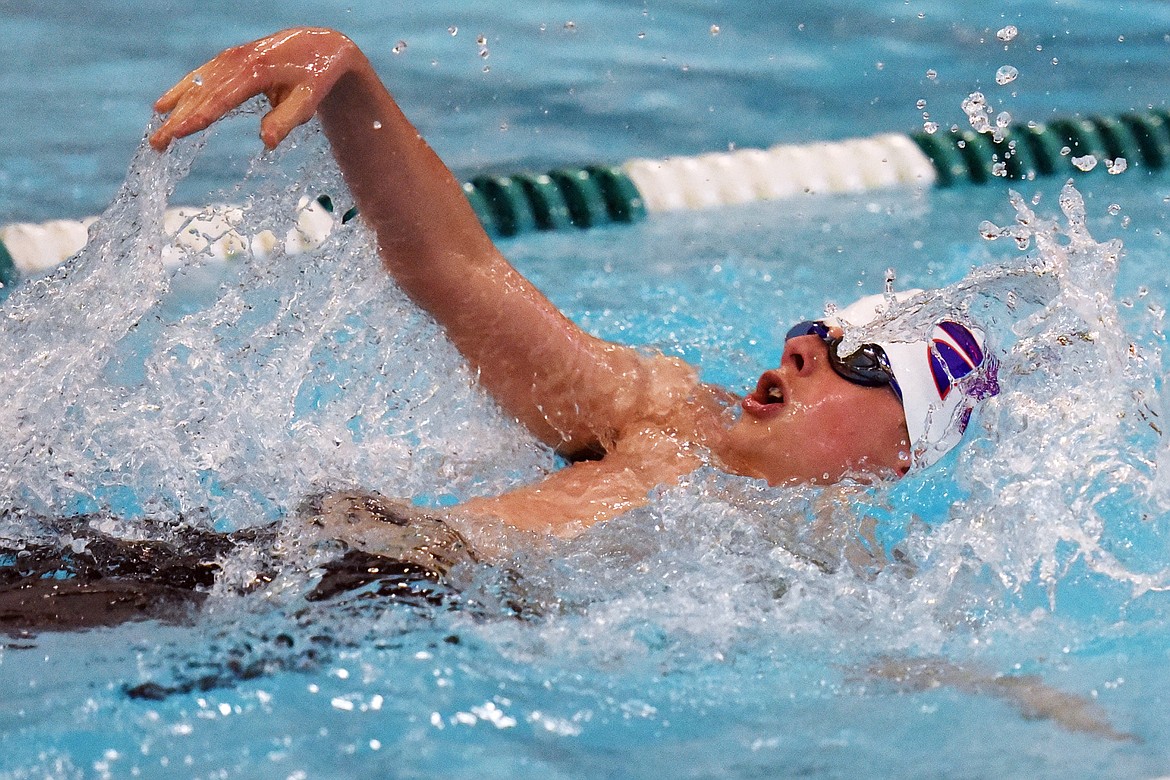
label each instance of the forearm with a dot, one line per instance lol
(568, 388)
(404, 191)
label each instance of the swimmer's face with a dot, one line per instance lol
(805, 423)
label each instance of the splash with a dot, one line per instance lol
(212, 394)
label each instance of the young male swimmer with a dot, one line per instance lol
(628, 421)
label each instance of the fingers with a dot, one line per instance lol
(295, 109)
(195, 103)
(171, 97)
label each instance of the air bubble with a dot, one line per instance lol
(1007, 33)
(197, 80)
(1116, 166)
(1006, 75)
(1003, 119)
(399, 47)
(1114, 209)
(930, 128)
(570, 25)
(377, 125)
(714, 29)
(1086, 163)
(453, 30)
(921, 104)
(932, 74)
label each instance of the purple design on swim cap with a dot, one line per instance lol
(954, 353)
(987, 383)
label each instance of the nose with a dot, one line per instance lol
(805, 355)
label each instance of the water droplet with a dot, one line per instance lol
(921, 104)
(1114, 209)
(978, 112)
(453, 30)
(714, 29)
(989, 230)
(932, 74)
(1007, 33)
(1055, 61)
(399, 47)
(377, 125)
(1116, 166)
(1086, 163)
(1006, 75)
(1121, 39)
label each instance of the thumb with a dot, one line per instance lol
(296, 108)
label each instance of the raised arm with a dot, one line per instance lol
(574, 391)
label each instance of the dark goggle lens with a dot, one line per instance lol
(867, 365)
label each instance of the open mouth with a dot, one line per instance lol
(769, 395)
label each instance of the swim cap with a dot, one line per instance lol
(939, 383)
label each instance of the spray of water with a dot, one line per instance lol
(210, 394)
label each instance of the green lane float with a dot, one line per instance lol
(590, 196)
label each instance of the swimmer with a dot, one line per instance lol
(627, 421)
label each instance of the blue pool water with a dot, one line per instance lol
(727, 630)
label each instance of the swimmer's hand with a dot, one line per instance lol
(295, 69)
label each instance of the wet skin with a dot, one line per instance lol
(633, 421)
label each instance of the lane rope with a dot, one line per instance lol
(595, 195)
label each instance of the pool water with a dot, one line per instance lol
(1001, 616)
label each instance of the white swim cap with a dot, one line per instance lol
(941, 380)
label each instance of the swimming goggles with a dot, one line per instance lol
(867, 366)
